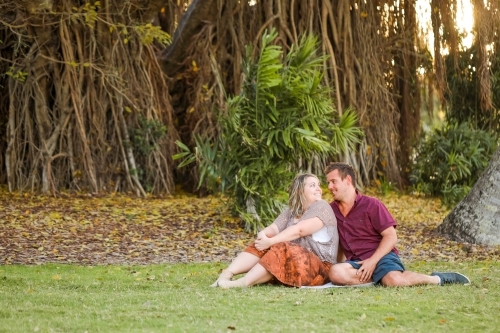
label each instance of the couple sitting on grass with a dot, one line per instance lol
(306, 244)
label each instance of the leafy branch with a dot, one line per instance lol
(283, 114)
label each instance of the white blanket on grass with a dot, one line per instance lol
(331, 285)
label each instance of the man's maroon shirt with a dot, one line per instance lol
(359, 231)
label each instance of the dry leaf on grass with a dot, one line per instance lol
(117, 229)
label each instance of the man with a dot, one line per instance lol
(368, 237)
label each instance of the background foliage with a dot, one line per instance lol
(78, 76)
(281, 123)
(464, 98)
(449, 161)
(114, 69)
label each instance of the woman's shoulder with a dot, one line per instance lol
(321, 207)
(320, 204)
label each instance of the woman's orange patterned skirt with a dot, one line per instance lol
(292, 265)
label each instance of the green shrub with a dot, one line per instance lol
(145, 135)
(448, 161)
(283, 115)
(144, 138)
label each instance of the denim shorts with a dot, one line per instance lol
(390, 262)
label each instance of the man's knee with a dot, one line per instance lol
(393, 279)
(338, 273)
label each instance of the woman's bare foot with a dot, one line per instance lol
(224, 276)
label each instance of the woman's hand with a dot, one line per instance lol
(261, 234)
(263, 242)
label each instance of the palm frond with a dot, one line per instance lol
(282, 113)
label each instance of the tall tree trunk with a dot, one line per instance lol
(198, 14)
(11, 139)
(40, 73)
(476, 219)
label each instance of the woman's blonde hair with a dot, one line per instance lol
(296, 199)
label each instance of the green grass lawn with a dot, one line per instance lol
(177, 298)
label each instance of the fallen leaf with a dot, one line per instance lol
(119, 229)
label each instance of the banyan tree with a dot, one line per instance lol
(371, 65)
(94, 94)
(84, 103)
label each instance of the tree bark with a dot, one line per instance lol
(40, 76)
(11, 139)
(198, 14)
(476, 219)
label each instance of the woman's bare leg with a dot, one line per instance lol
(258, 274)
(243, 263)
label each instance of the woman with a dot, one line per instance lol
(297, 249)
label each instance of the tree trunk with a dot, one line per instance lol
(198, 14)
(476, 219)
(40, 72)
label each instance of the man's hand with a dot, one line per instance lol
(263, 242)
(365, 272)
(389, 239)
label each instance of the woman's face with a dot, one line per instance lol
(312, 190)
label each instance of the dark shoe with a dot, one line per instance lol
(447, 278)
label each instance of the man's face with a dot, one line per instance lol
(336, 185)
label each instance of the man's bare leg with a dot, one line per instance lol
(407, 278)
(345, 275)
